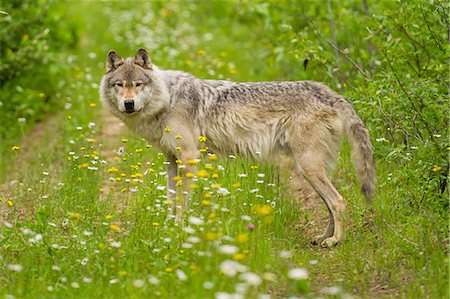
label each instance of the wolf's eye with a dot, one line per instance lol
(120, 84)
(138, 84)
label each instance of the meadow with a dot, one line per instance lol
(83, 205)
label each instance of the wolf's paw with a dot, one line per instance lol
(318, 239)
(329, 242)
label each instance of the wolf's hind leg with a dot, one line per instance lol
(334, 201)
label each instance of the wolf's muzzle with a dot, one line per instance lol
(129, 106)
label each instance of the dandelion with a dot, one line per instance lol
(202, 173)
(241, 238)
(298, 274)
(436, 168)
(177, 178)
(202, 139)
(211, 236)
(9, 203)
(114, 227)
(193, 161)
(263, 210)
(167, 130)
(238, 256)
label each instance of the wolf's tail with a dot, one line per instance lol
(362, 151)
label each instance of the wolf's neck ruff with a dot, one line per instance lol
(304, 120)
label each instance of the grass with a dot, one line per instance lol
(86, 214)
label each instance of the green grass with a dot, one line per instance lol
(83, 221)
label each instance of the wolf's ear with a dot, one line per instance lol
(142, 59)
(113, 61)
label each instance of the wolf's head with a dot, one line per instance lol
(130, 84)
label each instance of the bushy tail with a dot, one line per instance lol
(362, 151)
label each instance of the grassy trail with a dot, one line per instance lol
(86, 214)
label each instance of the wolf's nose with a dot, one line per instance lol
(129, 105)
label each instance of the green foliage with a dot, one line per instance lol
(32, 38)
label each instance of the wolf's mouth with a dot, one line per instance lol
(132, 111)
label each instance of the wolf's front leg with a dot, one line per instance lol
(171, 184)
(186, 172)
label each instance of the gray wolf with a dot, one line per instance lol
(305, 120)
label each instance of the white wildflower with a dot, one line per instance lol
(15, 267)
(116, 244)
(298, 274)
(251, 278)
(285, 254)
(195, 220)
(181, 275)
(138, 283)
(231, 268)
(153, 280)
(228, 249)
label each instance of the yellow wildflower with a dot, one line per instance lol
(211, 236)
(15, 148)
(262, 210)
(167, 129)
(112, 170)
(202, 173)
(202, 138)
(114, 227)
(241, 238)
(238, 256)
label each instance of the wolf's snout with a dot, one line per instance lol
(129, 106)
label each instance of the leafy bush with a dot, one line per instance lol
(31, 40)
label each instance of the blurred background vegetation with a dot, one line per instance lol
(389, 58)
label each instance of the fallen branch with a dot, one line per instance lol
(355, 65)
